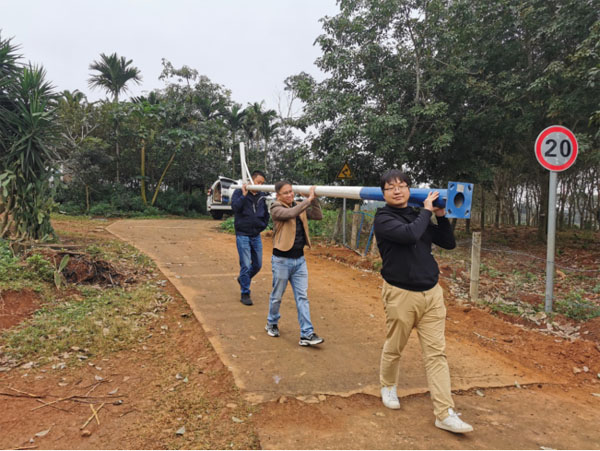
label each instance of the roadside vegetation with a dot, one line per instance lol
(77, 320)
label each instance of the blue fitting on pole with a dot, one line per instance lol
(456, 199)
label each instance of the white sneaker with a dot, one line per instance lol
(389, 397)
(453, 424)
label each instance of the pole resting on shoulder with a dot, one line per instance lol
(456, 199)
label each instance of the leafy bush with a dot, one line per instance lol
(227, 225)
(8, 263)
(40, 268)
(324, 227)
(118, 201)
(182, 204)
(102, 209)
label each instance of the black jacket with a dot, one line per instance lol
(251, 212)
(404, 237)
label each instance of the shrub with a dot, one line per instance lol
(102, 209)
(8, 263)
(227, 225)
(40, 268)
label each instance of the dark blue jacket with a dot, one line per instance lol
(251, 212)
(404, 237)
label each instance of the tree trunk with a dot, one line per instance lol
(482, 219)
(143, 173)
(162, 177)
(118, 152)
(338, 225)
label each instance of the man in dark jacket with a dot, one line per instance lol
(412, 297)
(251, 218)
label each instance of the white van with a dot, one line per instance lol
(218, 201)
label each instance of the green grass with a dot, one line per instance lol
(509, 309)
(490, 271)
(576, 307)
(98, 319)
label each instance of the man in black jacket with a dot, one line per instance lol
(251, 218)
(412, 297)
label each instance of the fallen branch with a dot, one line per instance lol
(25, 393)
(78, 398)
(13, 395)
(50, 404)
(484, 337)
(94, 386)
(95, 414)
(128, 412)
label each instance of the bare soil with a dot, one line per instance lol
(176, 379)
(15, 306)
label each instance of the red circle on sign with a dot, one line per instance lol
(540, 140)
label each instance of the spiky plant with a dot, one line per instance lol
(28, 127)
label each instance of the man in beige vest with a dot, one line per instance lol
(290, 225)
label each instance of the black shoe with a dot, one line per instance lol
(246, 299)
(311, 340)
(272, 330)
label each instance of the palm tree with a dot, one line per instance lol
(114, 74)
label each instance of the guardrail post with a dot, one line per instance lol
(355, 231)
(475, 262)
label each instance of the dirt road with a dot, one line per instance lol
(516, 387)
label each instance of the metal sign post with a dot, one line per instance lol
(556, 150)
(344, 174)
(550, 251)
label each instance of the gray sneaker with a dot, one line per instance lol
(272, 330)
(311, 340)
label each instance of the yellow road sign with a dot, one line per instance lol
(345, 172)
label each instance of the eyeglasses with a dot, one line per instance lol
(396, 188)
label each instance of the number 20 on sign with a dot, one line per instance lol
(556, 148)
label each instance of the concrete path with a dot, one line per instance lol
(346, 310)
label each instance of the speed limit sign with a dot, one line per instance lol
(556, 148)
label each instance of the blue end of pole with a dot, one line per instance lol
(456, 199)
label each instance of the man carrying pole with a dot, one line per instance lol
(251, 218)
(290, 226)
(412, 296)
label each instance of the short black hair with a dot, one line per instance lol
(258, 172)
(280, 184)
(393, 175)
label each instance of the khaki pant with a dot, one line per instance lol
(425, 311)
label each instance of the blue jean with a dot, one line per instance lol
(293, 270)
(250, 253)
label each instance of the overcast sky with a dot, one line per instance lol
(248, 46)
